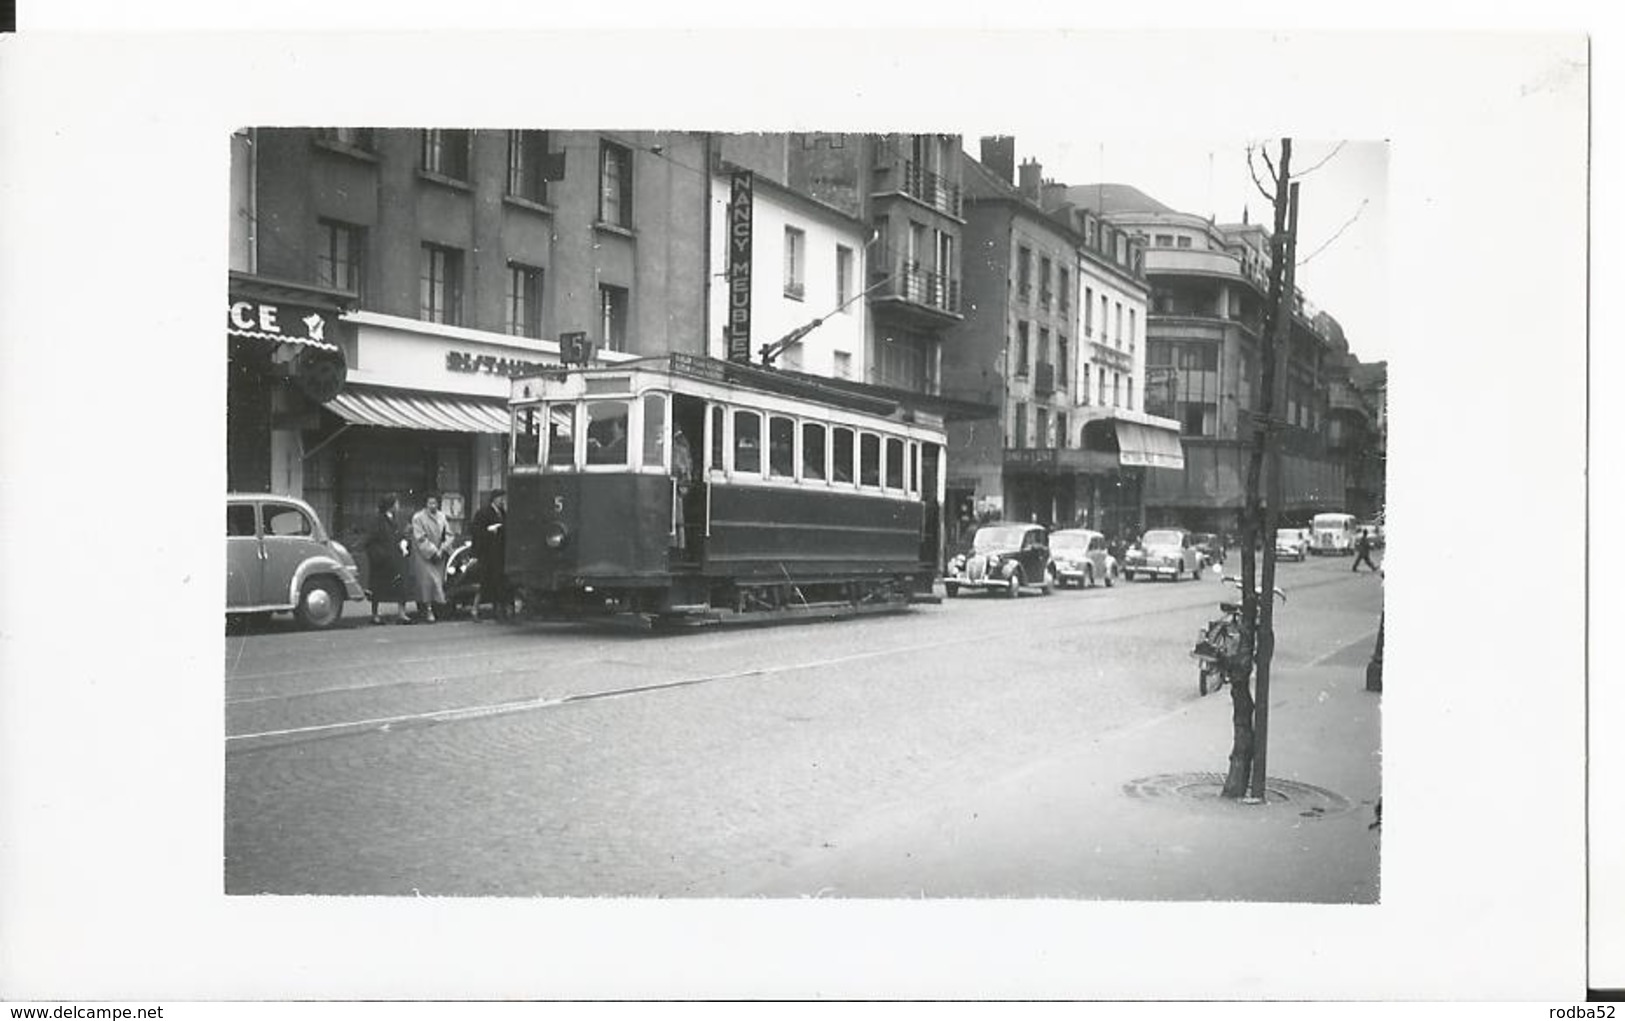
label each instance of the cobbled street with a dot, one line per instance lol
(547, 759)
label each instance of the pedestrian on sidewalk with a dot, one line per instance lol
(490, 547)
(386, 559)
(431, 542)
(1362, 551)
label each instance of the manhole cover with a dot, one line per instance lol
(1304, 799)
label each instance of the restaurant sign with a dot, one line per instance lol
(494, 365)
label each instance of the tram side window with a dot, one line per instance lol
(781, 447)
(914, 467)
(528, 436)
(718, 417)
(748, 442)
(561, 435)
(606, 432)
(894, 464)
(844, 451)
(654, 430)
(868, 460)
(814, 454)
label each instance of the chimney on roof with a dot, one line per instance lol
(1053, 196)
(1032, 174)
(999, 156)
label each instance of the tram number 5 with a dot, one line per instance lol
(558, 504)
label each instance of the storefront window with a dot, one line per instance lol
(606, 427)
(561, 431)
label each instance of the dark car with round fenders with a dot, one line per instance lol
(1005, 558)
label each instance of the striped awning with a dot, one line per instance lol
(1148, 446)
(397, 409)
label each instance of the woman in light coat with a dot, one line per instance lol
(431, 544)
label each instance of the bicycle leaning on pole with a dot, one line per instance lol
(1223, 650)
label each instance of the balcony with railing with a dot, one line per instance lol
(1192, 260)
(931, 188)
(911, 287)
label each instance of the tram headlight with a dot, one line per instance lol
(554, 534)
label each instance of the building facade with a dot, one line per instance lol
(1054, 300)
(458, 256)
(808, 259)
(438, 262)
(907, 189)
(1209, 294)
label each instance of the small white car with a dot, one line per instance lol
(1078, 557)
(1169, 552)
(1291, 543)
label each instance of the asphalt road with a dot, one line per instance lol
(557, 760)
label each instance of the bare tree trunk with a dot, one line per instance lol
(1257, 633)
(1266, 615)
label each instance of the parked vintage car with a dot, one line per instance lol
(1169, 552)
(1078, 556)
(1212, 547)
(1373, 531)
(1291, 543)
(280, 558)
(1002, 557)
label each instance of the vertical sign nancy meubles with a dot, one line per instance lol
(739, 245)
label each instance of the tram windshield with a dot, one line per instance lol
(606, 425)
(561, 431)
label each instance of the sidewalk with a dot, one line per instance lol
(1098, 823)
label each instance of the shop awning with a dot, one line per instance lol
(1148, 446)
(399, 409)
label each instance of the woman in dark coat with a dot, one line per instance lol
(385, 559)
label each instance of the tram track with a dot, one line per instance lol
(386, 723)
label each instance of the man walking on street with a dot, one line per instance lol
(490, 545)
(1362, 550)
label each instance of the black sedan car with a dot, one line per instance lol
(1004, 558)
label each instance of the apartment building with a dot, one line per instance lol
(1054, 303)
(1204, 332)
(450, 258)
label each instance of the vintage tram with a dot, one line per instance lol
(688, 488)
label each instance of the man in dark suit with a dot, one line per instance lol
(490, 545)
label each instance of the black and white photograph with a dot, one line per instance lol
(706, 533)
(616, 410)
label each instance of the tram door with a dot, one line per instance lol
(930, 476)
(688, 422)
